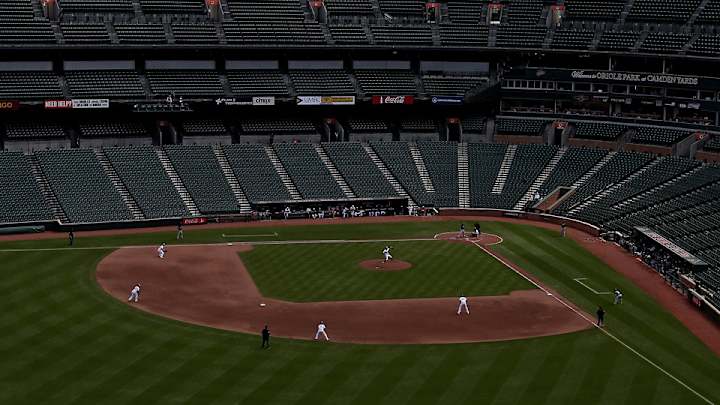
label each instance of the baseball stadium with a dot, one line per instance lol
(359, 202)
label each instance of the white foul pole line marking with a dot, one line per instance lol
(590, 321)
(579, 281)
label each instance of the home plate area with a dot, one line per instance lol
(485, 239)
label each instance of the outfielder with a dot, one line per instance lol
(321, 331)
(463, 304)
(161, 251)
(134, 293)
(386, 253)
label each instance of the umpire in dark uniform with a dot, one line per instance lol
(265, 338)
(600, 316)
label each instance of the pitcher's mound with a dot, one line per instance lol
(380, 265)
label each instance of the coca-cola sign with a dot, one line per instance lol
(194, 221)
(393, 100)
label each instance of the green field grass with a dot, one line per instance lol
(63, 340)
(330, 272)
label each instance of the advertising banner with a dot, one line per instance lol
(90, 103)
(326, 100)
(194, 221)
(241, 101)
(393, 100)
(58, 104)
(270, 100)
(9, 105)
(447, 100)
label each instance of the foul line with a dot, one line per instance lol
(269, 242)
(590, 321)
(579, 281)
(255, 235)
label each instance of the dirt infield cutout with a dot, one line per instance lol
(485, 239)
(209, 285)
(381, 265)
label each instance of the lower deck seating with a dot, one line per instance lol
(619, 167)
(21, 200)
(398, 159)
(308, 172)
(358, 170)
(82, 187)
(200, 171)
(484, 162)
(441, 162)
(255, 173)
(140, 170)
(615, 203)
(573, 165)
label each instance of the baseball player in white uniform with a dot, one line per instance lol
(134, 293)
(618, 296)
(386, 253)
(161, 251)
(463, 304)
(321, 331)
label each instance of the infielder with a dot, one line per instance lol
(161, 251)
(321, 331)
(618, 297)
(463, 304)
(386, 253)
(134, 293)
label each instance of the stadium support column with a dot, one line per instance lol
(51, 8)
(213, 9)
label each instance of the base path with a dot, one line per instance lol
(209, 285)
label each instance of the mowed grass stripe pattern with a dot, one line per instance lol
(331, 272)
(64, 341)
(638, 321)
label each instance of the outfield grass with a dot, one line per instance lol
(63, 340)
(331, 272)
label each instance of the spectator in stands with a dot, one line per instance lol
(180, 235)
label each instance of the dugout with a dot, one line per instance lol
(651, 238)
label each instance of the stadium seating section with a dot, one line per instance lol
(308, 172)
(21, 198)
